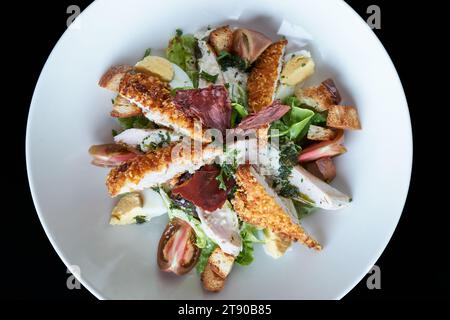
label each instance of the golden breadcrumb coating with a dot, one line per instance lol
(133, 171)
(254, 205)
(263, 79)
(153, 96)
(177, 157)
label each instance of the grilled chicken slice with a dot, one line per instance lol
(263, 79)
(256, 203)
(159, 166)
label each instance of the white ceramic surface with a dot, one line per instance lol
(69, 112)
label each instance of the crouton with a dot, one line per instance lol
(122, 108)
(211, 281)
(320, 133)
(221, 263)
(323, 169)
(112, 77)
(221, 39)
(321, 97)
(217, 269)
(343, 117)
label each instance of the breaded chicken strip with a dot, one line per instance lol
(259, 205)
(263, 79)
(153, 97)
(159, 166)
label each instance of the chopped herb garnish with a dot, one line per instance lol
(140, 219)
(164, 141)
(208, 77)
(226, 60)
(147, 53)
(288, 159)
(139, 122)
(228, 169)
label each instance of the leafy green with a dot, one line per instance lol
(249, 237)
(181, 51)
(147, 53)
(139, 122)
(288, 159)
(319, 119)
(140, 219)
(185, 215)
(114, 132)
(228, 169)
(295, 123)
(204, 255)
(208, 77)
(227, 59)
(238, 113)
(292, 101)
(297, 119)
(240, 109)
(173, 91)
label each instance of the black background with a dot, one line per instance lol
(415, 264)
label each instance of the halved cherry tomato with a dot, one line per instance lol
(177, 251)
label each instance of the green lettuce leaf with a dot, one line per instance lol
(181, 51)
(249, 237)
(176, 212)
(204, 255)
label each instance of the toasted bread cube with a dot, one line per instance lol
(122, 108)
(211, 281)
(221, 263)
(112, 77)
(321, 97)
(317, 133)
(221, 39)
(343, 117)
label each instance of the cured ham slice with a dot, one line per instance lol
(211, 105)
(202, 189)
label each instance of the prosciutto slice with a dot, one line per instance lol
(202, 189)
(265, 116)
(211, 105)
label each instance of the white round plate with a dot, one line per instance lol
(69, 112)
